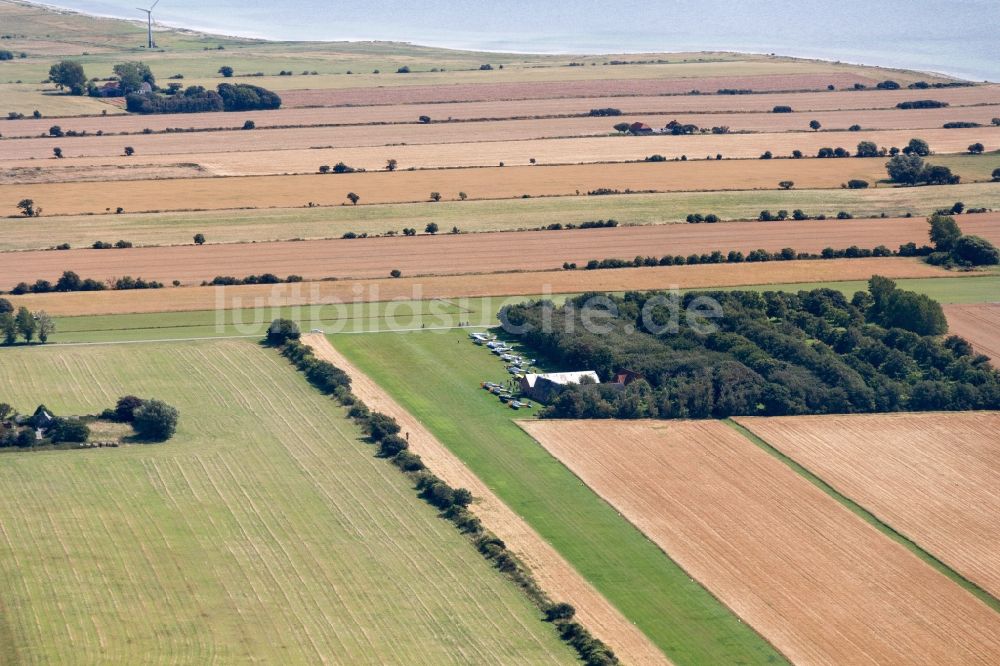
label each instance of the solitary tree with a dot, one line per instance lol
(46, 326)
(391, 164)
(129, 151)
(814, 125)
(431, 228)
(905, 169)
(26, 324)
(435, 196)
(8, 327)
(226, 71)
(249, 125)
(57, 151)
(282, 330)
(424, 119)
(917, 147)
(867, 149)
(944, 232)
(126, 406)
(67, 74)
(27, 208)
(996, 174)
(199, 239)
(155, 420)
(56, 130)
(354, 198)
(977, 148)
(463, 196)
(622, 127)
(786, 184)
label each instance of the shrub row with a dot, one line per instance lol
(383, 431)
(754, 256)
(263, 278)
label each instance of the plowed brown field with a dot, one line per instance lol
(815, 580)
(979, 324)
(499, 285)
(407, 186)
(836, 110)
(470, 253)
(459, 144)
(934, 478)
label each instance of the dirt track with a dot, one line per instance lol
(510, 284)
(814, 579)
(931, 477)
(555, 576)
(408, 186)
(979, 324)
(471, 253)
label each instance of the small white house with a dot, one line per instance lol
(544, 387)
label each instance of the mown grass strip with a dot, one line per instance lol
(436, 377)
(870, 518)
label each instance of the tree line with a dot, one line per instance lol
(383, 431)
(24, 324)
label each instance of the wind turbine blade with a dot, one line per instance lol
(154, 4)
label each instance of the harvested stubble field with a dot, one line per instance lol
(471, 253)
(835, 110)
(933, 478)
(479, 183)
(457, 286)
(96, 173)
(676, 84)
(980, 325)
(815, 580)
(251, 535)
(515, 142)
(242, 226)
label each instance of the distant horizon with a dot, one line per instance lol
(254, 23)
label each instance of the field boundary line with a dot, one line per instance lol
(869, 517)
(553, 573)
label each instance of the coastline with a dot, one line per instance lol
(788, 52)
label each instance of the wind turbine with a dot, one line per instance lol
(149, 22)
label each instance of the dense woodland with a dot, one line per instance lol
(772, 353)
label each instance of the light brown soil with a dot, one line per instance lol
(98, 172)
(555, 576)
(502, 285)
(835, 110)
(407, 186)
(471, 253)
(932, 477)
(302, 150)
(979, 324)
(412, 94)
(815, 580)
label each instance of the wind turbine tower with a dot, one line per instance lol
(149, 23)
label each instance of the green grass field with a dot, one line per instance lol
(371, 317)
(474, 216)
(436, 377)
(264, 531)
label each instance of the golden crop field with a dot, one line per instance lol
(471, 253)
(979, 324)
(413, 186)
(456, 286)
(814, 579)
(932, 477)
